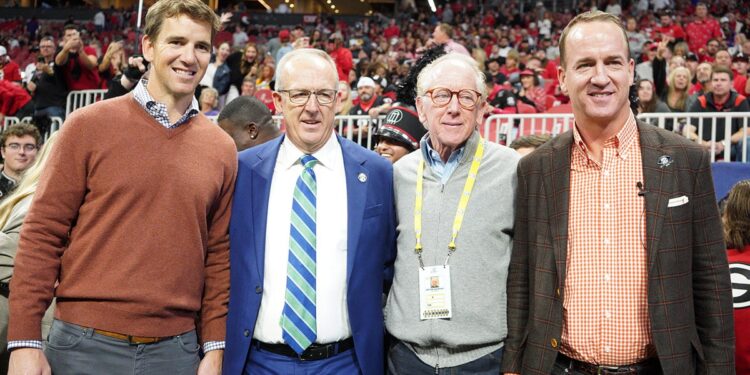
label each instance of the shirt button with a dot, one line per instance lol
(606, 206)
(607, 349)
(605, 172)
(606, 277)
(554, 343)
(258, 289)
(606, 241)
(607, 314)
(246, 333)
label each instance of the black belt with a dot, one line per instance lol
(314, 352)
(648, 367)
(5, 290)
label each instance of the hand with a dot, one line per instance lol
(226, 17)
(31, 86)
(28, 361)
(211, 363)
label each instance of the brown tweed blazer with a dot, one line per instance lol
(689, 293)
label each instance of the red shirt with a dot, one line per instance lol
(674, 31)
(699, 32)
(343, 59)
(11, 72)
(391, 32)
(86, 79)
(739, 268)
(12, 98)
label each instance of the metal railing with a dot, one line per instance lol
(55, 124)
(82, 98)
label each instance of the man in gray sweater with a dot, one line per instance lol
(454, 201)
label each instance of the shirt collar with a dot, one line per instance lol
(623, 141)
(433, 157)
(290, 154)
(158, 110)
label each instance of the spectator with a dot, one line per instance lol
(740, 66)
(248, 87)
(341, 55)
(47, 84)
(721, 98)
(263, 82)
(209, 100)
(702, 80)
(636, 39)
(702, 29)
(737, 236)
(242, 64)
(13, 210)
(20, 143)
(286, 44)
(526, 145)
(530, 92)
(400, 134)
(9, 69)
(99, 21)
(678, 85)
(668, 30)
(248, 121)
(239, 38)
(112, 63)
(493, 71)
(723, 58)
(443, 34)
(346, 98)
(78, 62)
(14, 101)
(648, 101)
(210, 79)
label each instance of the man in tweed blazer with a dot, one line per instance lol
(574, 306)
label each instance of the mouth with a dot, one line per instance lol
(311, 122)
(184, 72)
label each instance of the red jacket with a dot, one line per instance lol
(343, 59)
(739, 268)
(12, 97)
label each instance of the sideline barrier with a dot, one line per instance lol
(507, 127)
(82, 98)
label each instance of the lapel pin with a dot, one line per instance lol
(665, 161)
(362, 177)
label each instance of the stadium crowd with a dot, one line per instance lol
(690, 57)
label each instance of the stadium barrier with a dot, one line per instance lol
(82, 98)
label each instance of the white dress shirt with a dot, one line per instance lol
(332, 312)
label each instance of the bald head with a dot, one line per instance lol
(248, 121)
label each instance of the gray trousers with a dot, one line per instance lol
(72, 349)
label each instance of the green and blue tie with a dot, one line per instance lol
(298, 320)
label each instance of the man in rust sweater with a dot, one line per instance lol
(131, 217)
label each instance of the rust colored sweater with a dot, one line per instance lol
(132, 218)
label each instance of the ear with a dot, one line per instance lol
(631, 72)
(252, 130)
(148, 48)
(561, 78)
(337, 103)
(421, 111)
(481, 109)
(277, 102)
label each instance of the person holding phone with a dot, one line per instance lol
(47, 85)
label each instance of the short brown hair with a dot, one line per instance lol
(533, 141)
(447, 29)
(587, 17)
(163, 9)
(721, 69)
(19, 130)
(737, 216)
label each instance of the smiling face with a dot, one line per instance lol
(179, 57)
(391, 150)
(449, 125)
(19, 153)
(309, 125)
(645, 91)
(597, 74)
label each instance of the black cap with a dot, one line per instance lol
(740, 57)
(691, 57)
(402, 125)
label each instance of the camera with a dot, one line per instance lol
(40, 59)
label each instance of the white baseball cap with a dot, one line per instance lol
(365, 82)
(3, 51)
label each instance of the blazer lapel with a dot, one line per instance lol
(659, 184)
(260, 192)
(356, 196)
(556, 172)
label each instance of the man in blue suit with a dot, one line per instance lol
(312, 237)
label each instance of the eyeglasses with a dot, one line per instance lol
(28, 147)
(467, 98)
(300, 97)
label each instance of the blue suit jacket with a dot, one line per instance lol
(370, 249)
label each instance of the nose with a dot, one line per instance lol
(188, 55)
(381, 147)
(453, 106)
(312, 103)
(600, 77)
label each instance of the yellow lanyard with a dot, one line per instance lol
(459, 218)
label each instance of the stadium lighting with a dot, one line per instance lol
(268, 8)
(337, 11)
(432, 5)
(333, 6)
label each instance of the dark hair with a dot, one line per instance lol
(406, 91)
(721, 69)
(20, 130)
(244, 110)
(737, 216)
(649, 106)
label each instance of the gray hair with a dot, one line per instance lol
(302, 53)
(427, 75)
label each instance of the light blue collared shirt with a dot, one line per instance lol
(444, 170)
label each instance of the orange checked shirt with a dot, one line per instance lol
(605, 306)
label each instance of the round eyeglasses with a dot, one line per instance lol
(300, 97)
(467, 98)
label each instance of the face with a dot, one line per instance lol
(208, 98)
(439, 35)
(665, 20)
(720, 84)
(310, 125)
(741, 67)
(681, 80)
(527, 82)
(645, 91)
(223, 51)
(365, 93)
(493, 66)
(597, 74)
(250, 54)
(248, 88)
(70, 34)
(47, 49)
(703, 72)
(676, 62)
(391, 150)
(18, 159)
(450, 125)
(712, 47)
(723, 58)
(179, 57)
(701, 11)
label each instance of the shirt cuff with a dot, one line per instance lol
(213, 345)
(35, 344)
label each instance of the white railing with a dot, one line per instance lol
(55, 123)
(82, 98)
(507, 127)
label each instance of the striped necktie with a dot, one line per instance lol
(298, 320)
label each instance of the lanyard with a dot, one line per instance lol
(459, 218)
